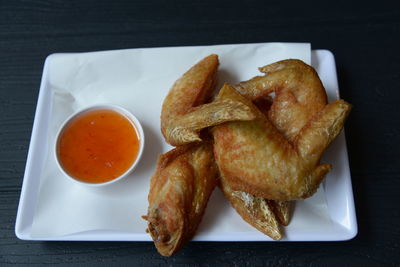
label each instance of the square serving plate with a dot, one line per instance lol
(337, 186)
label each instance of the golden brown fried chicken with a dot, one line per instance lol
(264, 215)
(179, 192)
(282, 210)
(182, 117)
(254, 157)
(256, 211)
(261, 154)
(299, 94)
(186, 175)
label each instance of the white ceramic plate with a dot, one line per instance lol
(338, 196)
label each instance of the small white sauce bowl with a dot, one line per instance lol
(136, 125)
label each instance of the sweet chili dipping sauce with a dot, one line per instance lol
(98, 146)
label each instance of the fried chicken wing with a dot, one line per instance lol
(256, 158)
(179, 192)
(264, 215)
(185, 176)
(182, 117)
(299, 95)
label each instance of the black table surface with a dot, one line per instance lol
(363, 37)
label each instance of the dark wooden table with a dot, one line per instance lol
(365, 40)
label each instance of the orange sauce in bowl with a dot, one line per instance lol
(98, 146)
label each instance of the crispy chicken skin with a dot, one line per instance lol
(182, 117)
(256, 158)
(299, 94)
(185, 176)
(192, 89)
(179, 192)
(256, 211)
(264, 215)
(282, 210)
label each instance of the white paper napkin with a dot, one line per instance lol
(138, 80)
